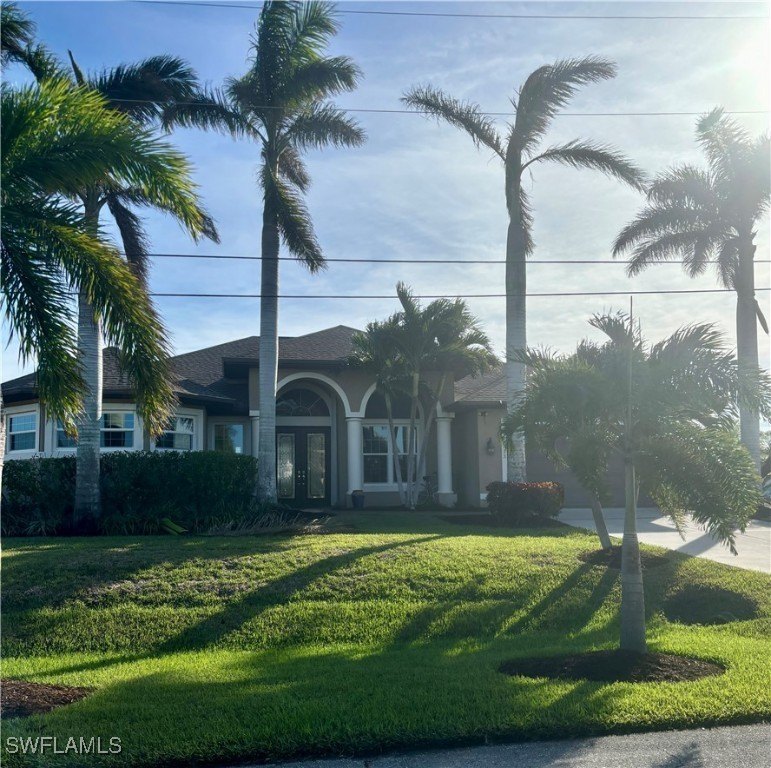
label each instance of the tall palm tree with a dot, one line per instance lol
(282, 104)
(668, 410)
(56, 140)
(144, 92)
(699, 215)
(546, 90)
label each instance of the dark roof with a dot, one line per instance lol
(202, 374)
(489, 389)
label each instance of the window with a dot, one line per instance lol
(117, 429)
(378, 459)
(22, 432)
(301, 402)
(178, 436)
(63, 440)
(229, 438)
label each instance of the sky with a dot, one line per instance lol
(421, 190)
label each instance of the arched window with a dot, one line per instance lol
(301, 402)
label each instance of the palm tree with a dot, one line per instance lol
(544, 93)
(668, 410)
(373, 353)
(421, 351)
(16, 33)
(56, 140)
(144, 92)
(282, 104)
(699, 215)
(565, 422)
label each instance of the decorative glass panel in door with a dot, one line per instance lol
(317, 465)
(286, 465)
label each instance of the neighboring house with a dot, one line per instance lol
(331, 433)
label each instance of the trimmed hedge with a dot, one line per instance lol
(197, 490)
(516, 503)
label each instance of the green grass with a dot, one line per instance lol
(390, 635)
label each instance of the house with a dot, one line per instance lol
(331, 428)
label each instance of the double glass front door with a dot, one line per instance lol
(303, 466)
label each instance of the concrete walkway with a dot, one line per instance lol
(747, 746)
(754, 545)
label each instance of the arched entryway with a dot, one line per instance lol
(306, 439)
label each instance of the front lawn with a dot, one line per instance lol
(376, 635)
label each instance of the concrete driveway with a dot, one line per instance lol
(754, 545)
(745, 746)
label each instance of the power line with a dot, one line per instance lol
(438, 296)
(434, 14)
(425, 261)
(386, 111)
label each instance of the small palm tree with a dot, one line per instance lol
(281, 103)
(547, 90)
(56, 140)
(668, 410)
(373, 354)
(424, 349)
(699, 215)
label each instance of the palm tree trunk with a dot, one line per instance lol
(599, 523)
(747, 343)
(430, 418)
(268, 373)
(394, 448)
(87, 495)
(516, 338)
(632, 594)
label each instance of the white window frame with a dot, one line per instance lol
(22, 410)
(197, 442)
(137, 443)
(391, 484)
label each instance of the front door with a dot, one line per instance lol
(303, 466)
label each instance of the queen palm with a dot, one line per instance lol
(56, 140)
(544, 93)
(668, 411)
(282, 104)
(144, 92)
(700, 215)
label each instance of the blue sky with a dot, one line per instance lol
(421, 190)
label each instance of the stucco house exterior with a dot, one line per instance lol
(331, 434)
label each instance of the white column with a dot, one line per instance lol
(445, 493)
(355, 455)
(255, 434)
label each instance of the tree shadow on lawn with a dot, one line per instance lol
(273, 705)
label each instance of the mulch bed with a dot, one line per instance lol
(612, 559)
(614, 667)
(20, 698)
(488, 521)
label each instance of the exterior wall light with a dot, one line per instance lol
(490, 447)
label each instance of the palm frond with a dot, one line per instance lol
(209, 110)
(17, 32)
(292, 168)
(294, 221)
(323, 125)
(462, 114)
(547, 90)
(685, 186)
(723, 140)
(599, 157)
(319, 79)
(133, 237)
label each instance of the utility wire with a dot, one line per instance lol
(438, 295)
(434, 14)
(425, 261)
(384, 111)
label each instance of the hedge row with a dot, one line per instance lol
(197, 491)
(516, 503)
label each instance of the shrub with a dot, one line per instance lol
(195, 490)
(516, 503)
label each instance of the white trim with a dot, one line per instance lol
(138, 443)
(21, 410)
(197, 443)
(318, 377)
(389, 486)
(214, 421)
